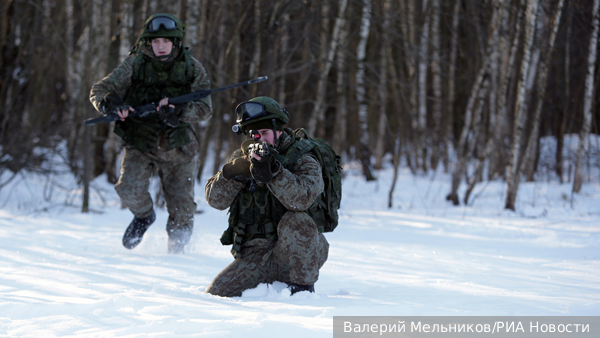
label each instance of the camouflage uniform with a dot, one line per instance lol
(176, 167)
(296, 252)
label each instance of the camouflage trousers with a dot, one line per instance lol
(296, 257)
(177, 171)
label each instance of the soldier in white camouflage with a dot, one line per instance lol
(273, 238)
(159, 67)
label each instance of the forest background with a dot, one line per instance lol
(469, 87)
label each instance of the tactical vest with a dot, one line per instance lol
(153, 80)
(255, 214)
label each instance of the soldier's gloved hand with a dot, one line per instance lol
(112, 104)
(180, 109)
(264, 169)
(238, 170)
(167, 115)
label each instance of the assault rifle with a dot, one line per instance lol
(261, 149)
(145, 110)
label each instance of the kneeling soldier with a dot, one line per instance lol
(273, 238)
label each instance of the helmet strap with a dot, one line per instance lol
(275, 137)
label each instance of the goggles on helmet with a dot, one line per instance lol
(167, 24)
(248, 110)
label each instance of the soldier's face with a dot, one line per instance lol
(266, 135)
(162, 46)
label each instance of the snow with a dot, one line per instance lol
(64, 273)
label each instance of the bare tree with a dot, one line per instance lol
(447, 128)
(220, 103)
(341, 110)
(318, 113)
(361, 91)
(284, 41)
(492, 140)
(532, 144)
(560, 137)
(422, 89)
(192, 18)
(383, 85)
(462, 147)
(587, 103)
(513, 177)
(436, 72)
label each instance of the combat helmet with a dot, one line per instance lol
(162, 25)
(260, 113)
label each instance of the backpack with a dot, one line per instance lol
(324, 210)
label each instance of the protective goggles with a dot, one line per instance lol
(167, 24)
(248, 110)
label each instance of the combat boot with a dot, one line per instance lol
(177, 241)
(299, 287)
(136, 229)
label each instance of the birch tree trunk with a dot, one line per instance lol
(396, 162)
(436, 72)
(284, 42)
(447, 128)
(341, 110)
(476, 131)
(492, 140)
(587, 103)
(113, 144)
(90, 62)
(361, 91)
(73, 77)
(498, 156)
(126, 30)
(423, 61)
(560, 138)
(411, 60)
(532, 144)
(397, 150)
(204, 135)
(401, 117)
(318, 114)
(221, 103)
(513, 177)
(497, 69)
(383, 86)
(192, 18)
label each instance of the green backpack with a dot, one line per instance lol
(324, 210)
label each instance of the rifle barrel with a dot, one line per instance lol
(257, 80)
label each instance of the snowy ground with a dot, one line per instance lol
(63, 273)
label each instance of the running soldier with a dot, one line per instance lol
(159, 67)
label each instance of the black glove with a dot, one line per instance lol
(167, 116)
(238, 170)
(266, 168)
(180, 109)
(111, 104)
